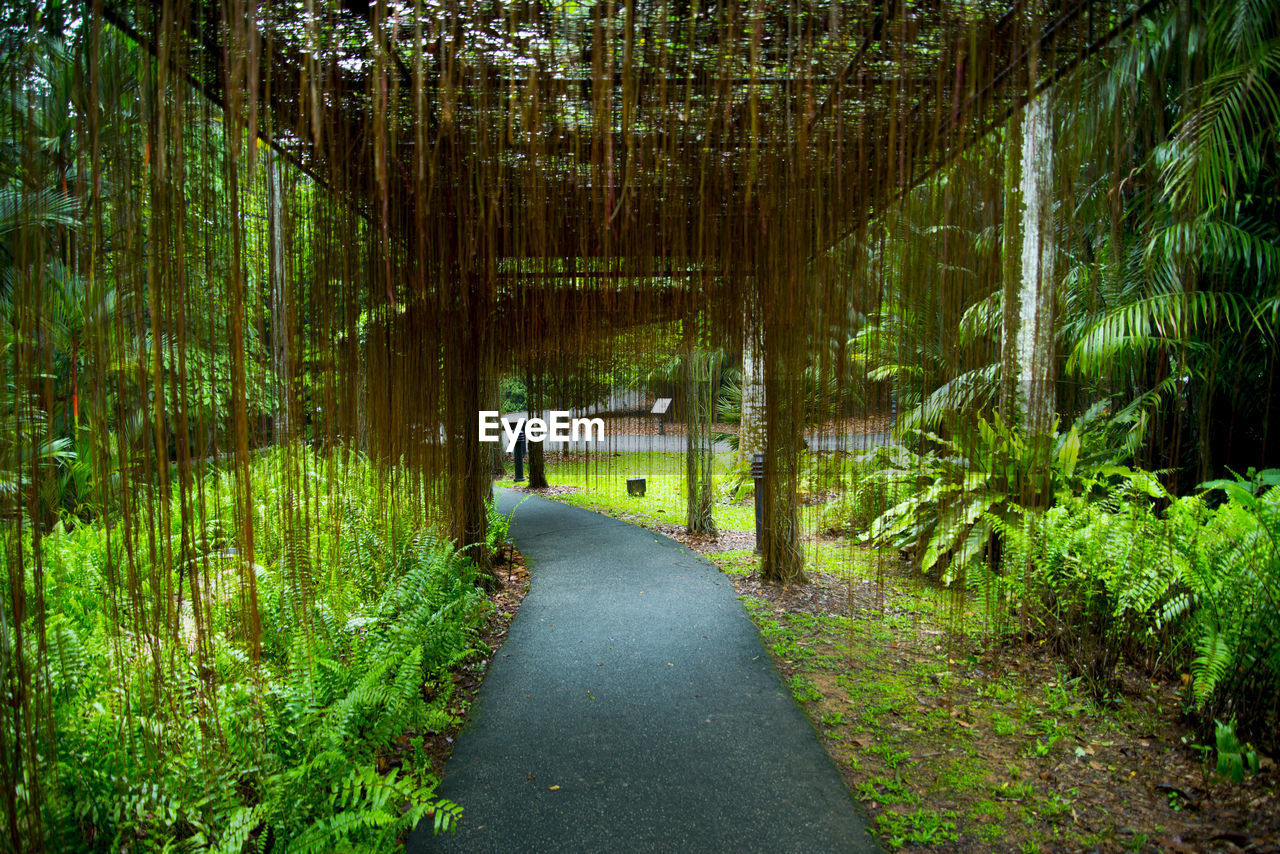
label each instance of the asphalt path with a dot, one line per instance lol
(672, 444)
(634, 709)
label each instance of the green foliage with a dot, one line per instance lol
(1170, 583)
(670, 377)
(1237, 587)
(1233, 757)
(922, 827)
(803, 689)
(514, 396)
(867, 492)
(1169, 304)
(1137, 327)
(362, 622)
(1100, 559)
(959, 493)
(823, 396)
(1105, 575)
(497, 532)
(499, 524)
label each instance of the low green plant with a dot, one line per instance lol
(961, 492)
(891, 756)
(922, 827)
(863, 495)
(1002, 725)
(498, 531)
(1234, 758)
(886, 790)
(1235, 586)
(1168, 582)
(803, 689)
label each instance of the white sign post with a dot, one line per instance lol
(659, 409)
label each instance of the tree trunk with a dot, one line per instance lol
(751, 424)
(783, 558)
(1035, 350)
(1028, 378)
(280, 351)
(537, 459)
(698, 448)
(497, 465)
(1028, 365)
(468, 458)
(1011, 272)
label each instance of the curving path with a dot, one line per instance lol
(633, 680)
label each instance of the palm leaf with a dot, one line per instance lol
(1218, 144)
(1164, 317)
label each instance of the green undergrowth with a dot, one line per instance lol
(953, 743)
(183, 743)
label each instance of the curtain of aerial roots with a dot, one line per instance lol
(255, 258)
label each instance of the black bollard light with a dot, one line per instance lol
(757, 472)
(519, 452)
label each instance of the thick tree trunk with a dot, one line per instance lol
(1037, 379)
(468, 458)
(1026, 349)
(537, 466)
(783, 558)
(1028, 364)
(1011, 272)
(497, 458)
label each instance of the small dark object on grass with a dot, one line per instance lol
(635, 486)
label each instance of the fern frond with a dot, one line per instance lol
(1215, 653)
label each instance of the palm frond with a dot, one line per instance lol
(1163, 317)
(968, 392)
(1217, 145)
(44, 209)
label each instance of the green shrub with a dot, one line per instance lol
(1101, 560)
(1168, 583)
(1236, 594)
(863, 495)
(162, 745)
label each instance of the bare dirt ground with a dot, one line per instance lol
(550, 491)
(724, 541)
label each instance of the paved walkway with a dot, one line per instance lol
(633, 709)
(647, 443)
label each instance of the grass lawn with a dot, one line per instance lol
(598, 481)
